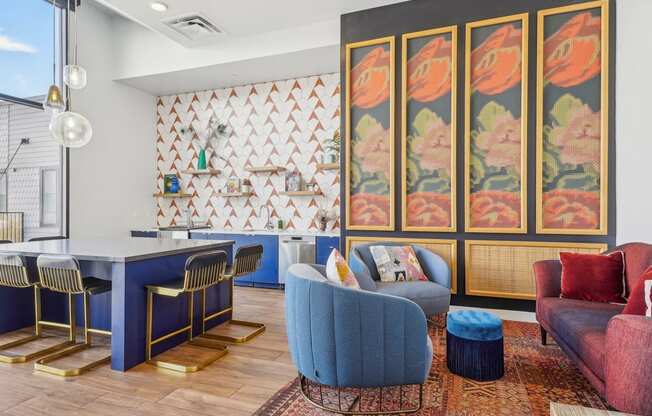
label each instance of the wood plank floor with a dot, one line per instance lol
(236, 385)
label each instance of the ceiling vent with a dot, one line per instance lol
(193, 26)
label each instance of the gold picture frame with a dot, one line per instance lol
(450, 257)
(517, 277)
(390, 226)
(453, 31)
(602, 228)
(524, 21)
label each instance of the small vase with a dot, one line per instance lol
(201, 164)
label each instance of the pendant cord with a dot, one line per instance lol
(54, 43)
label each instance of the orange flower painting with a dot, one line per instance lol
(370, 79)
(430, 143)
(574, 141)
(429, 71)
(496, 62)
(572, 54)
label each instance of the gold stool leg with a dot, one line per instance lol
(258, 328)
(10, 358)
(42, 364)
(220, 350)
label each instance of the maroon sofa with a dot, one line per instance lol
(613, 351)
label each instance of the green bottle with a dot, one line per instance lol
(201, 164)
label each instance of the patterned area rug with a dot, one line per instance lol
(535, 375)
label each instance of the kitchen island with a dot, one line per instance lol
(130, 263)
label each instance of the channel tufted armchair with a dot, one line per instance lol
(348, 338)
(433, 296)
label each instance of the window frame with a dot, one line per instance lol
(58, 217)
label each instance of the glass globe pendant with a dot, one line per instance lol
(74, 76)
(71, 129)
(54, 100)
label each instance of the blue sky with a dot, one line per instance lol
(25, 47)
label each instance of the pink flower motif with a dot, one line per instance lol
(579, 139)
(373, 150)
(433, 149)
(502, 143)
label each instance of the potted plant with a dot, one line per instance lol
(332, 150)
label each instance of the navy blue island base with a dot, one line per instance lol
(131, 264)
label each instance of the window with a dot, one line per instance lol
(27, 47)
(49, 197)
(32, 43)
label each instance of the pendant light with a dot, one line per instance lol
(74, 75)
(70, 129)
(54, 99)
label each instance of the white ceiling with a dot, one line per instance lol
(240, 17)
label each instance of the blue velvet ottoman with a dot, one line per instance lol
(474, 345)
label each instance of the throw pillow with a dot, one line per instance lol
(648, 298)
(338, 272)
(593, 277)
(397, 263)
(639, 299)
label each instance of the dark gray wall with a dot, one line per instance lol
(415, 15)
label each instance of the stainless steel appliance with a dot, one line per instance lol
(294, 249)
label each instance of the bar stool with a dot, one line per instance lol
(201, 271)
(247, 260)
(14, 273)
(62, 274)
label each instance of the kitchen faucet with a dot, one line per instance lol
(268, 222)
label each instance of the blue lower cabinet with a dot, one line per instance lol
(324, 247)
(267, 274)
(146, 234)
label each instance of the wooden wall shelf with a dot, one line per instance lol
(177, 195)
(302, 193)
(235, 194)
(196, 172)
(328, 166)
(266, 169)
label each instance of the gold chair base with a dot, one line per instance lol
(42, 364)
(220, 351)
(9, 358)
(258, 329)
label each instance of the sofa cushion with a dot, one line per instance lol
(582, 326)
(594, 277)
(338, 271)
(431, 297)
(636, 304)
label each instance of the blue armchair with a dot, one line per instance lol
(433, 296)
(345, 338)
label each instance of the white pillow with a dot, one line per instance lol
(338, 271)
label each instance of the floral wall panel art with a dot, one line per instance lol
(429, 63)
(370, 135)
(496, 125)
(572, 119)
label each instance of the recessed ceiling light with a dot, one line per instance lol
(159, 6)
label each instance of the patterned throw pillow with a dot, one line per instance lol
(338, 272)
(397, 263)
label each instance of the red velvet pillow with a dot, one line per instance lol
(594, 277)
(636, 302)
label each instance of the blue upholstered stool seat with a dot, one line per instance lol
(474, 345)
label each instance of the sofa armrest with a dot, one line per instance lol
(434, 267)
(361, 272)
(547, 275)
(628, 364)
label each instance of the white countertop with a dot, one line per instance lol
(113, 250)
(256, 232)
